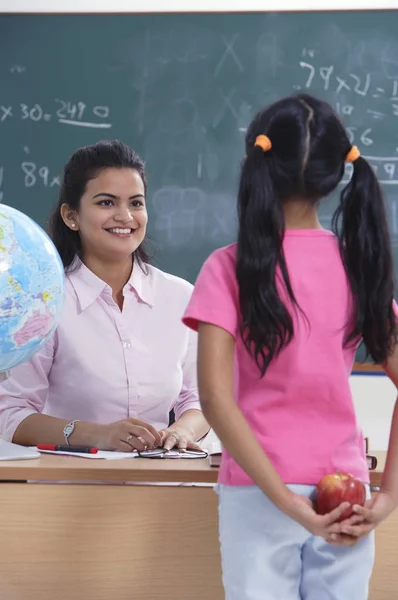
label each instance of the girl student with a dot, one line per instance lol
(280, 315)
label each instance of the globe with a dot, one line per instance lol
(31, 287)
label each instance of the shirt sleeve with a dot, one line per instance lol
(215, 296)
(24, 392)
(189, 395)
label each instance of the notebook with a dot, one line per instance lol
(9, 451)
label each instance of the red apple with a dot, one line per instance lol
(336, 488)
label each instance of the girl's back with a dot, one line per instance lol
(301, 411)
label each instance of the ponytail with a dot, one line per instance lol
(295, 150)
(266, 325)
(360, 222)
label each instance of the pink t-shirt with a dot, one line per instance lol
(302, 410)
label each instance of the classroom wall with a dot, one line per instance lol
(374, 395)
(374, 402)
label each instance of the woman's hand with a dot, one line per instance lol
(301, 509)
(178, 436)
(127, 435)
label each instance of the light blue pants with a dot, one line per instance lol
(268, 556)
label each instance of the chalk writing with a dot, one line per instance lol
(329, 80)
(64, 112)
(5, 113)
(34, 174)
(17, 69)
(386, 168)
(229, 52)
(185, 215)
(269, 54)
(363, 135)
(226, 106)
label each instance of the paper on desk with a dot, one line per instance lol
(101, 454)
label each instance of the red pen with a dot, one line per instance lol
(56, 448)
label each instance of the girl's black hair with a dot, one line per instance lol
(85, 164)
(309, 146)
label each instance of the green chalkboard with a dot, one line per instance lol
(181, 89)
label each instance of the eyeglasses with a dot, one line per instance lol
(173, 453)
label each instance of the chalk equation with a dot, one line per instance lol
(379, 93)
(360, 85)
(65, 112)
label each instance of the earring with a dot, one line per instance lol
(73, 224)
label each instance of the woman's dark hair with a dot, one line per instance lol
(309, 146)
(85, 164)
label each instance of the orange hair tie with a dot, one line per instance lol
(353, 154)
(263, 142)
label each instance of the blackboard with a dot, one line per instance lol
(181, 89)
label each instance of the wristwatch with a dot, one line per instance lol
(69, 429)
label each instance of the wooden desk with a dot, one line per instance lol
(75, 541)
